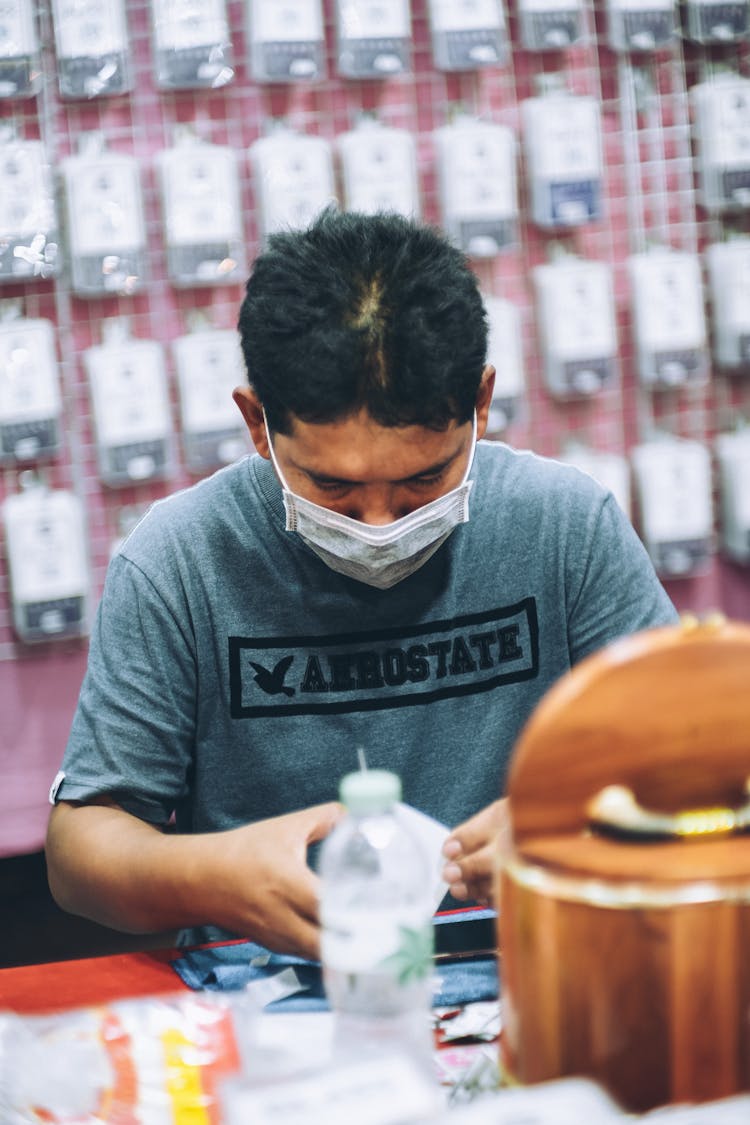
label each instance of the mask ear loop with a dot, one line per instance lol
(473, 449)
(274, 462)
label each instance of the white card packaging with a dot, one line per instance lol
(192, 44)
(286, 40)
(105, 218)
(209, 365)
(673, 483)
(29, 235)
(293, 177)
(45, 539)
(669, 323)
(200, 194)
(129, 395)
(92, 47)
(577, 326)
(30, 401)
(563, 148)
(373, 40)
(476, 163)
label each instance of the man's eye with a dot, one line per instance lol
(425, 482)
(330, 486)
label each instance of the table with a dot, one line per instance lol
(59, 985)
(278, 1039)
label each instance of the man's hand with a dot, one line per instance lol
(254, 880)
(269, 891)
(471, 851)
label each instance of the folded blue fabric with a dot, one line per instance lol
(228, 967)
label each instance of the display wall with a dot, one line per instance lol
(100, 278)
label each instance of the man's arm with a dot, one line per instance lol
(120, 871)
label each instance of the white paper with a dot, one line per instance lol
(387, 1090)
(431, 835)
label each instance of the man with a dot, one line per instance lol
(371, 578)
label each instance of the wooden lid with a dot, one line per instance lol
(664, 713)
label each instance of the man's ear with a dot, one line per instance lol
(250, 408)
(484, 398)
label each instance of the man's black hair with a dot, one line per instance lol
(364, 311)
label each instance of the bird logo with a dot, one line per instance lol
(272, 683)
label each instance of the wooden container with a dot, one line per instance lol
(624, 923)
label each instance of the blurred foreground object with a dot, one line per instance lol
(624, 920)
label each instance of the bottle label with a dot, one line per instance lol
(397, 945)
(377, 965)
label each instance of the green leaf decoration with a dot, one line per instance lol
(412, 960)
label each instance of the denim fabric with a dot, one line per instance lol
(227, 967)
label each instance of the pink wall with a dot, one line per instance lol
(37, 699)
(38, 687)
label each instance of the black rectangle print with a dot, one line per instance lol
(383, 668)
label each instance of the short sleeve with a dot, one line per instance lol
(614, 589)
(133, 731)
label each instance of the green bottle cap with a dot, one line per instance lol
(370, 791)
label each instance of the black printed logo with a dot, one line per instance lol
(272, 683)
(383, 668)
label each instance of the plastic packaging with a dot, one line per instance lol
(209, 365)
(373, 40)
(379, 169)
(505, 353)
(668, 317)
(20, 57)
(200, 192)
(468, 36)
(633, 25)
(577, 325)
(477, 185)
(551, 25)
(286, 40)
(293, 178)
(30, 400)
(29, 241)
(45, 538)
(91, 42)
(733, 461)
(673, 485)
(376, 914)
(564, 161)
(159, 1060)
(729, 281)
(192, 44)
(721, 131)
(717, 21)
(106, 222)
(130, 398)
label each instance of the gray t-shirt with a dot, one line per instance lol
(232, 676)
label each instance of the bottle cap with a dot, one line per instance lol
(370, 791)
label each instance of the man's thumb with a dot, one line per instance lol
(322, 818)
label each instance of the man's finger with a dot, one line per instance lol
(320, 819)
(474, 833)
(297, 936)
(307, 896)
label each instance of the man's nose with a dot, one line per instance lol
(378, 506)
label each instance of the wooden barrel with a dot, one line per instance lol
(624, 892)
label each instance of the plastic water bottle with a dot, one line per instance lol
(376, 914)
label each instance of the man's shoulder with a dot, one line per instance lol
(192, 513)
(522, 472)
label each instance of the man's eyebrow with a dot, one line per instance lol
(428, 471)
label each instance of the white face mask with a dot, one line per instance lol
(379, 555)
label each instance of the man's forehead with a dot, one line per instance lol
(357, 448)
